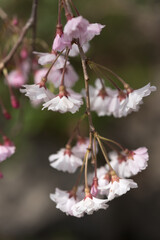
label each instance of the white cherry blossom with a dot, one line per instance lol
(36, 93)
(129, 163)
(66, 200)
(46, 58)
(118, 187)
(136, 96)
(81, 147)
(88, 205)
(65, 161)
(66, 101)
(3, 153)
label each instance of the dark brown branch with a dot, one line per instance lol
(30, 23)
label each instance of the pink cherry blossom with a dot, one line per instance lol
(16, 78)
(39, 74)
(70, 76)
(76, 28)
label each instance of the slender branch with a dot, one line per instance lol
(27, 26)
(3, 15)
(86, 78)
(34, 25)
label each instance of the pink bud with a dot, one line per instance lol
(7, 141)
(6, 114)
(14, 102)
(15, 21)
(24, 53)
(94, 187)
(1, 175)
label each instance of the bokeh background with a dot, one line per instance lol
(129, 45)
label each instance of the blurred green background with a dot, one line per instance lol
(130, 46)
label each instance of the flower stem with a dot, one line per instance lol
(95, 157)
(64, 68)
(78, 14)
(75, 129)
(114, 74)
(46, 75)
(112, 141)
(93, 66)
(89, 149)
(104, 153)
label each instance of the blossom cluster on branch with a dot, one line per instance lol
(110, 180)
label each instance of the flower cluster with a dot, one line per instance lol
(108, 181)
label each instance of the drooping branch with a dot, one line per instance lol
(30, 23)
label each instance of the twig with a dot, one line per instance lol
(27, 26)
(34, 25)
(86, 78)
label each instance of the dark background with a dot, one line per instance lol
(129, 45)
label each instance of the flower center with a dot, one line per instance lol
(102, 93)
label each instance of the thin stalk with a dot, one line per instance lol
(112, 141)
(113, 73)
(102, 83)
(106, 76)
(78, 14)
(46, 75)
(64, 68)
(80, 173)
(95, 157)
(59, 12)
(104, 153)
(75, 129)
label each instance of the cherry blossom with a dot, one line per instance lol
(74, 51)
(136, 96)
(36, 93)
(66, 200)
(129, 163)
(65, 161)
(81, 147)
(39, 74)
(16, 78)
(7, 149)
(66, 101)
(70, 76)
(3, 153)
(88, 205)
(118, 187)
(107, 101)
(76, 28)
(80, 28)
(46, 58)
